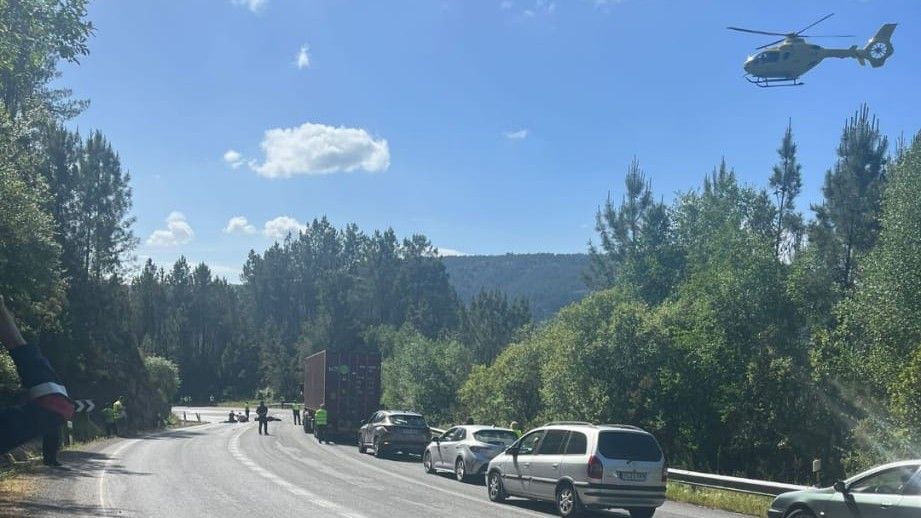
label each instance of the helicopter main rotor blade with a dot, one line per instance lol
(770, 44)
(757, 32)
(829, 36)
(813, 24)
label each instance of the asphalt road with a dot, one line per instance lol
(227, 469)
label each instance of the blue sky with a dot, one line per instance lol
(491, 126)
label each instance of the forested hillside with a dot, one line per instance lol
(546, 281)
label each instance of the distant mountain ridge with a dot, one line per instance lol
(547, 281)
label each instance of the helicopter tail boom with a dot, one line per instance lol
(879, 48)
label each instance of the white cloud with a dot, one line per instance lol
(280, 227)
(449, 252)
(233, 158)
(239, 224)
(253, 5)
(177, 232)
(311, 149)
(303, 57)
(517, 135)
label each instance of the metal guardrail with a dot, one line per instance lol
(723, 482)
(736, 484)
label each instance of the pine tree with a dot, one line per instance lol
(847, 222)
(786, 183)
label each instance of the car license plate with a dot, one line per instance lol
(632, 476)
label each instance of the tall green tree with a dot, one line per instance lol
(786, 182)
(847, 221)
(634, 243)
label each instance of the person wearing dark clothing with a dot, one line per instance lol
(232, 418)
(296, 413)
(51, 443)
(48, 405)
(262, 415)
(246, 411)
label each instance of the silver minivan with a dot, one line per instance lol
(580, 465)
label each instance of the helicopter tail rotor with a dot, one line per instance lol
(879, 48)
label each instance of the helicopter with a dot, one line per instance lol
(782, 65)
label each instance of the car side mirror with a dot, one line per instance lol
(840, 487)
(437, 438)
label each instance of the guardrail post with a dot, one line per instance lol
(183, 416)
(817, 469)
(197, 417)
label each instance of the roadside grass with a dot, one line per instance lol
(15, 485)
(755, 505)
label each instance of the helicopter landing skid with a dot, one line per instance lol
(763, 82)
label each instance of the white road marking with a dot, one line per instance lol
(465, 496)
(237, 453)
(102, 475)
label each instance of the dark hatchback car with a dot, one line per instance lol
(392, 431)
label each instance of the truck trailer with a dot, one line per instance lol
(348, 383)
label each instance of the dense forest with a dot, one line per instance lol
(749, 336)
(547, 282)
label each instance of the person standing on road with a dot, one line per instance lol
(51, 443)
(320, 420)
(246, 410)
(296, 413)
(48, 406)
(515, 427)
(262, 415)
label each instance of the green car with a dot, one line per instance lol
(890, 491)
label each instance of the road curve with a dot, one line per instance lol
(228, 469)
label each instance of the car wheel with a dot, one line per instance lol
(427, 462)
(800, 512)
(567, 501)
(642, 512)
(495, 487)
(460, 470)
(378, 449)
(361, 445)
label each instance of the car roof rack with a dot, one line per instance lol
(627, 426)
(583, 423)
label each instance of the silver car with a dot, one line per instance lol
(889, 491)
(466, 450)
(581, 466)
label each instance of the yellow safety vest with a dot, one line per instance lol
(320, 417)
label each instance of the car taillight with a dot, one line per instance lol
(595, 468)
(480, 450)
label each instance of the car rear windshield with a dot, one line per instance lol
(500, 437)
(408, 420)
(629, 446)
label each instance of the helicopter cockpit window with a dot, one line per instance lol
(769, 57)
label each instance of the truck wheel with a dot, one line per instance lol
(361, 445)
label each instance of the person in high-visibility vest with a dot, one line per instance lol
(515, 428)
(320, 420)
